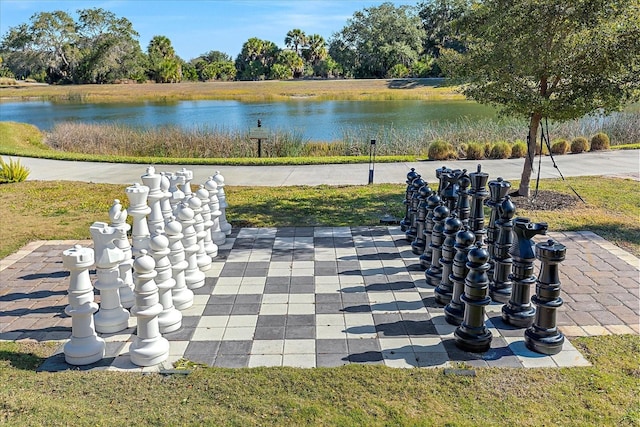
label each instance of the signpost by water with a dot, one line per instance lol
(372, 160)
(260, 134)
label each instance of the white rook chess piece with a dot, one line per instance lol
(177, 195)
(118, 217)
(217, 235)
(222, 198)
(182, 296)
(149, 347)
(203, 260)
(169, 319)
(112, 317)
(84, 347)
(193, 276)
(209, 246)
(155, 220)
(188, 177)
(139, 210)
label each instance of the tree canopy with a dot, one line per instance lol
(548, 59)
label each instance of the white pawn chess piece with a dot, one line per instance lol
(138, 209)
(155, 220)
(193, 276)
(217, 235)
(209, 246)
(222, 198)
(118, 216)
(84, 347)
(165, 203)
(203, 260)
(182, 296)
(111, 317)
(149, 347)
(170, 319)
(188, 177)
(177, 195)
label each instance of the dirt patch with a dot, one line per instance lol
(545, 200)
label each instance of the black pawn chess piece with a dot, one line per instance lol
(417, 246)
(412, 231)
(404, 223)
(444, 290)
(498, 189)
(500, 286)
(454, 311)
(518, 311)
(433, 201)
(543, 336)
(472, 335)
(434, 273)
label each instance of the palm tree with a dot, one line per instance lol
(316, 49)
(295, 39)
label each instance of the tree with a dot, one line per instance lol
(164, 64)
(437, 18)
(315, 50)
(109, 48)
(549, 59)
(377, 38)
(256, 58)
(214, 65)
(291, 62)
(295, 39)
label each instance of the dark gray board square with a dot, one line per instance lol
(232, 361)
(279, 280)
(222, 299)
(302, 289)
(207, 288)
(305, 231)
(286, 232)
(329, 308)
(331, 346)
(235, 347)
(276, 289)
(328, 298)
(202, 347)
(300, 332)
(249, 299)
(245, 309)
(217, 309)
(363, 345)
(258, 265)
(182, 334)
(302, 280)
(301, 319)
(256, 272)
(323, 242)
(271, 320)
(360, 308)
(303, 255)
(269, 333)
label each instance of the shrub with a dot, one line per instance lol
(600, 141)
(487, 149)
(500, 150)
(441, 150)
(579, 144)
(545, 149)
(14, 171)
(475, 151)
(518, 149)
(561, 146)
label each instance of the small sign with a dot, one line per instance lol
(258, 133)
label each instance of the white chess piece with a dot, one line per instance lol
(182, 296)
(203, 259)
(155, 220)
(170, 319)
(217, 235)
(118, 216)
(188, 177)
(194, 277)
(222, 198)
(209, 246)
(149, 347)
(139, 210)
(111, 317)
(84, 347)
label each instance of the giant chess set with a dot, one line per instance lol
(154, 271)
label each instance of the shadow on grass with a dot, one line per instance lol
(24, 356)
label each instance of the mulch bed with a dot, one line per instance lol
(545, 200)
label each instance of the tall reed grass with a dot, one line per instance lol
(220, 142)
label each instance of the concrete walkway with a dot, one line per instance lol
(615, 162)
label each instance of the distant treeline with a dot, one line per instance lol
(100, 47)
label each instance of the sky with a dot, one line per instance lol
(198, 26)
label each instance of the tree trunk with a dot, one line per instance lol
(525, 178)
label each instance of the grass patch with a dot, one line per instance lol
(604, 394)
(612, 209)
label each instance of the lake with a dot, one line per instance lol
(314, 120)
